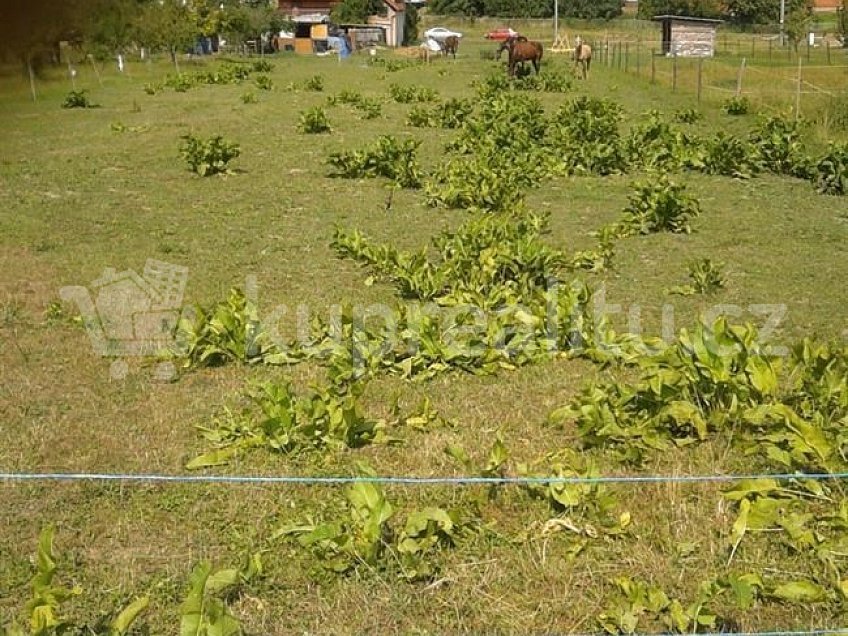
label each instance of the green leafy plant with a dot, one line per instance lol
(264, 83)
(387, 157)
(706, 278)
(364, 536)
(830, 173)
(47, 598)
(659, 205)
(314, 121)
(249, 98)
(727, 155)
(409, 93)
(688, 116)
(737, 106)
(283, 422)
(77, 99)
(226, 331)
(778, 147)
(584, 134)
(208, 156)
(262, 66)
(314, 84)
(204, 610)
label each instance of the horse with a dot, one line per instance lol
(522, 50)
(582, 56)
(451, 45)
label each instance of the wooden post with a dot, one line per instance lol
(72, 74)
(94, 66)
(739, 78)
(828, 52)
(753, 45)
(808, 47)
(674, 72)
(626, 55)
(771, 46)
(620, 50)
(638, 58)
(700, 77)
(31, 78)
(798, 92)
(653, 66)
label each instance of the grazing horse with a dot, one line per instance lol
(582, 56)
(522, 50)
(451, 45)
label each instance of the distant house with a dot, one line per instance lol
(683, 36)
(392, 22)
(310, 15)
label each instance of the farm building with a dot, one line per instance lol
(688, 37)
(312, 16)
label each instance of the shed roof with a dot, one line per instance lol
(685, 18)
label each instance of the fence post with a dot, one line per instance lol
(739, 78)
(771, 46)
(620, 54)
(798, 92)
(753, 45)
(700, 77)
(828, 52)
(674, 72)
(626, 56)
(638, 57)
(653, 66)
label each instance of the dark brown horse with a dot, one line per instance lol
(451, 45)
(522, 50)
(582, 56)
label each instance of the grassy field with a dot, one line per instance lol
(83, 190)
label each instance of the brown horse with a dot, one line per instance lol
(582, 56)
(451, 45)
(522, 50)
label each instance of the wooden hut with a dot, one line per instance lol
(688, 37)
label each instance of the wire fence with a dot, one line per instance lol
(810, 82)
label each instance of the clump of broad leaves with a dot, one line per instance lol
(203, 612)
(364, 535)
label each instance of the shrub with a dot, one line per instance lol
(409, 93)
(830, 174)
(262, 66)
(726, 155)
(737, 105)
(706, 277)
(659, 205)
(314, 83)
(77, 99)
(388, 158)
(249, 97)
(584, 133)
(210, 156)
(314, 121)
(777, 143)
(688, 116)
(263, 82)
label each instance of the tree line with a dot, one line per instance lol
(742, 12)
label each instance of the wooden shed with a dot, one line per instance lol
(688, 37)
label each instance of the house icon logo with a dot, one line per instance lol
(127, 315)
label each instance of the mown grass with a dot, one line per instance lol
(77, 197)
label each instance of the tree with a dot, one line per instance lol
(170, 26)
(797, 25)
(518, 8)
(749, 12)
(357, 11)
(590, 9)
(694, 8)
(410, 24)
(456, 7)
(109, 26)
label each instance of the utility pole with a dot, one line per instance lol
(782, 22)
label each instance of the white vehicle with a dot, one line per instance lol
(440, 34)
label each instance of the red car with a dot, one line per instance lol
(504, 33)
